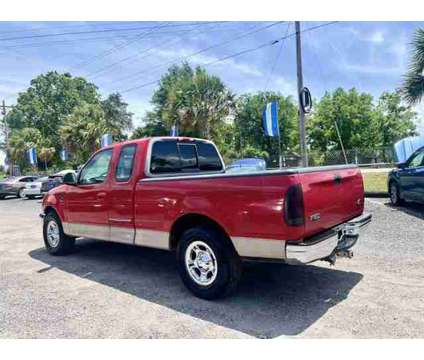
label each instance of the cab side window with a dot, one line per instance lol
(125, 165)
(96, 170)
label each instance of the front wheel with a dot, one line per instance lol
(55, 240)
(394, 193)
(21, 193)
(209, 267)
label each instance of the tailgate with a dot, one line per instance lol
(331, 197)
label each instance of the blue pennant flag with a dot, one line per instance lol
(270, 119)
(32, 156)
(106, 140)
(174, 131)
(64, 155)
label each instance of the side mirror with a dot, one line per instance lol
(401, 165)
(70, 179)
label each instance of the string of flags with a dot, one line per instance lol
(31, 154)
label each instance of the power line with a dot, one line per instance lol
(89, 32)
(116, 48)
(271, 43)
(97, 72)
(276, 59)
(74, 26)
(245, 34)
(71, 41)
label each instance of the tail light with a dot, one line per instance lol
(294, 212)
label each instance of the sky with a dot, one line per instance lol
(129, 57)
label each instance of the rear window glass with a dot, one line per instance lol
(168, 156)
(188, 156)
(208, 157)
(165, 157)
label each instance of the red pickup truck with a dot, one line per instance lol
(174, 194)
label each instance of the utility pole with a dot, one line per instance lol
(302, 132)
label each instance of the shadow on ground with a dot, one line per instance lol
(272, 299)
(409, 208)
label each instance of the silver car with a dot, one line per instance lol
(15, 185)
(33, 189)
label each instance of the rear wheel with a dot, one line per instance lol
(55, 240)
(395, 198)
(208, 266)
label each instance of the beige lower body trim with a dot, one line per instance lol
(122, 235)
(152, 238)
(99, 232)
(259, 248)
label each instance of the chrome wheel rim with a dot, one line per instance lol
(53, 235)
(21, 193)
(201, 264)
(393, 194)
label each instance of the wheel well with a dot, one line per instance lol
(50, 209)
(188, 221)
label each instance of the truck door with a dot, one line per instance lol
(412, 178)
(87, 203)
(121, 196)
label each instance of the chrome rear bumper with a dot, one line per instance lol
(327, 245)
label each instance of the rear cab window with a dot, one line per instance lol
(182, 157)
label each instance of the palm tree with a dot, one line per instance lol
(81, 131)
(413, 85)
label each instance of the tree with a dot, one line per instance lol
(117, 116)
(153, 127)
(49, 100)
(249, 135)
(82, 130)
(413, 85)
(394, 120)
(355, 117)
(21, 140)
(198, 102)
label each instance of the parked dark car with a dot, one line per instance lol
(15, 185)
(406, 183)
(54, 180)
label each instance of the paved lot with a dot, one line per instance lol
(109, 290)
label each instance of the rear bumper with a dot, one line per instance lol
(337, 240)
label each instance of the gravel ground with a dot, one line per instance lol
(106, 290)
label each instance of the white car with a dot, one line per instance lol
(33, 189)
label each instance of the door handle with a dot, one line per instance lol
(101, 195)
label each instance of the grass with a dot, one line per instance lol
(375, 182)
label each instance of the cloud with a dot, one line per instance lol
(377, 37)
(371, 69)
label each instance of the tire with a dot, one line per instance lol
(2, 197)
(394, 193)
(30, 197)
(21, 193)
(62, 244)
(220, 262)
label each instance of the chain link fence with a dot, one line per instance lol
(365, 157)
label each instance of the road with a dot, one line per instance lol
(106, 290)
